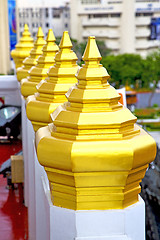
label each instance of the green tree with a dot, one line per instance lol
(151, 72)
(151, 69)
(124, 68)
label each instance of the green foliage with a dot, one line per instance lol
(145, 113)
(125, 69)
(151, 69)
(155, 105)
(132, 69)
(153, 126)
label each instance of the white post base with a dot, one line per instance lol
(126, 224)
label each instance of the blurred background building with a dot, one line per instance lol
(125, 26)
(57, 18)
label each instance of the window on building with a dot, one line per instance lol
(147, 0)
(47, 12)
(47, 24)
(40, 13)
(114, 2)
(56, 13)
(98, 15)
(90, 1)
(32, 24)
(66, 25)
(34, 34)
(138, 14)
(115, 15)
(149, 14)
(32, 14)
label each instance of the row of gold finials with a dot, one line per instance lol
(42, 75)
(47, 71)
(93, 152)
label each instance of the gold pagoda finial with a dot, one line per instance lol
(23, 48)
(65, 41)
(40, 33)
(26, 28)
(91, 51)
(51, 91)
(44, 62)
(50, 36)
(94, 153)
(31, 60)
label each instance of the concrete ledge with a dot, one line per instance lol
(126, 224)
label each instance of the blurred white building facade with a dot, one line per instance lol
(124, 25)
(56, 18)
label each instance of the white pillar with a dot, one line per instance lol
(74, 19)
(34, 179)
(25, 149)
(28, 137)
(126, 224)
(61, 223)
(4, 38)
(128, 27)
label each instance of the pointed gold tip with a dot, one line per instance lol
(91, 51)
(50, 36)
(65, 41)
(26, 28)
(40, 33)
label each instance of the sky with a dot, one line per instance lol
(37, 3)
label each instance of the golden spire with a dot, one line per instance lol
(65, 41)
(94, 153)
(89, 54)
(31, 60)
(44, 62)
(23, 48)
(51, 91)
(94, 95)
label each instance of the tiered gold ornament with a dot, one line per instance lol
(39, 72)
(51, 91)
(30, 61)
(23, 48)
(94, 153)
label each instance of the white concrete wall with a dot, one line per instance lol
(9, 89)
(54, 223)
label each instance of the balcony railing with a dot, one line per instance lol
(101, 22)
(109, 34)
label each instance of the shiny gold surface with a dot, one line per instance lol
(31, 60)
(39, 71)
(94, 153)
(23, 48)
(51, 91)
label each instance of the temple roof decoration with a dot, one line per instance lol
(22, 48)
